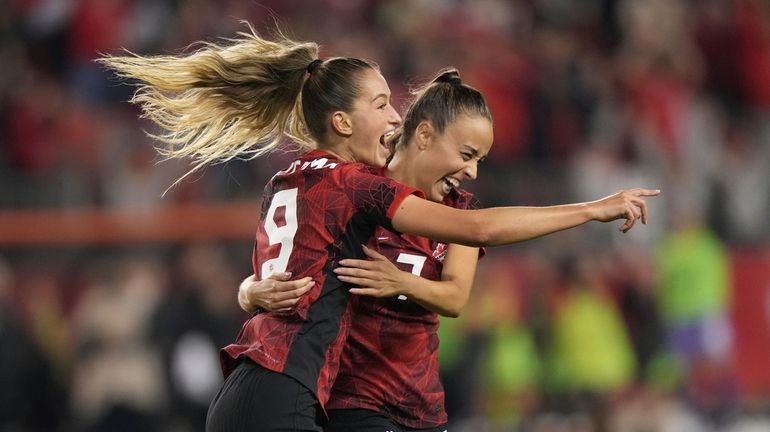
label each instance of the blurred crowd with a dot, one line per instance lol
(586, 330)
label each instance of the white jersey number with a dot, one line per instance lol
(281, 234)
(416, 261)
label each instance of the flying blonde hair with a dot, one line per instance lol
(238, 98)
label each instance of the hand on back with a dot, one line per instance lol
(277, 292)
(375, 276)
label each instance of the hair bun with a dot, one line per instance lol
(449, 76)
(314, 65)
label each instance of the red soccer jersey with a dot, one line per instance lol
(390, 361)
(316, 212)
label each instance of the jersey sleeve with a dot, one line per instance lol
(375, 196)
(464, 200)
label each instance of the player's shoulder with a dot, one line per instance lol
(352, 173)
(323, 169)
(363, 169)
(315, 163)
(312, 161)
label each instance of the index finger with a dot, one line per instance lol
(292, 294)
(371, 253)
(646, 192)
(357, 263)
(292, 285)
(282, 276)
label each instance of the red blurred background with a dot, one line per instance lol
(114, 299)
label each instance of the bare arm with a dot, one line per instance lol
(505, 225)
(378, 277)
(274, 293)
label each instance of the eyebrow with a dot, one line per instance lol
(475, 152)
(379, 96)
(472, 150)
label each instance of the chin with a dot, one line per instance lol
(436, 197)
(372, 160)
(380, 160)
(383, 156)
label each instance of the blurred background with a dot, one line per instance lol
(114, 300)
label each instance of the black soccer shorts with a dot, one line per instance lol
(361, 420)
(255, 399)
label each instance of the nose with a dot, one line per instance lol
(470, 170)
(394, 117)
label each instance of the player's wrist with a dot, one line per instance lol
(246, 304)
(590, 211)
(408, 283)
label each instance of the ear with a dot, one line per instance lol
(342, 123)
(424, 134)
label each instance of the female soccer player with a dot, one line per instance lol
(241, 98)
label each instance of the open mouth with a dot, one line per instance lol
(386, 137)
(449, 183)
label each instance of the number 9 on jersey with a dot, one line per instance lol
(284, 234)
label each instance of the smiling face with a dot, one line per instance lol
(450, 158)
(371, 120)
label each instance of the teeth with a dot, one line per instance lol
(385, 138)
(446, 187)
(448, 184)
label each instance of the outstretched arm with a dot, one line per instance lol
(378, 277)
(505, 225)
(274, 293)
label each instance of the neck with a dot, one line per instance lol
(340, 155)
(401, 168)
(338, 149)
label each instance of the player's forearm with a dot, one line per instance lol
(488, 227)
(504, 225)
(445, 298)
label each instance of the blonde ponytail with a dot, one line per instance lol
(235, 99)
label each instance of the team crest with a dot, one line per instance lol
(439, 252)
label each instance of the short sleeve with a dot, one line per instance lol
(464, 200)
(375, 196)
